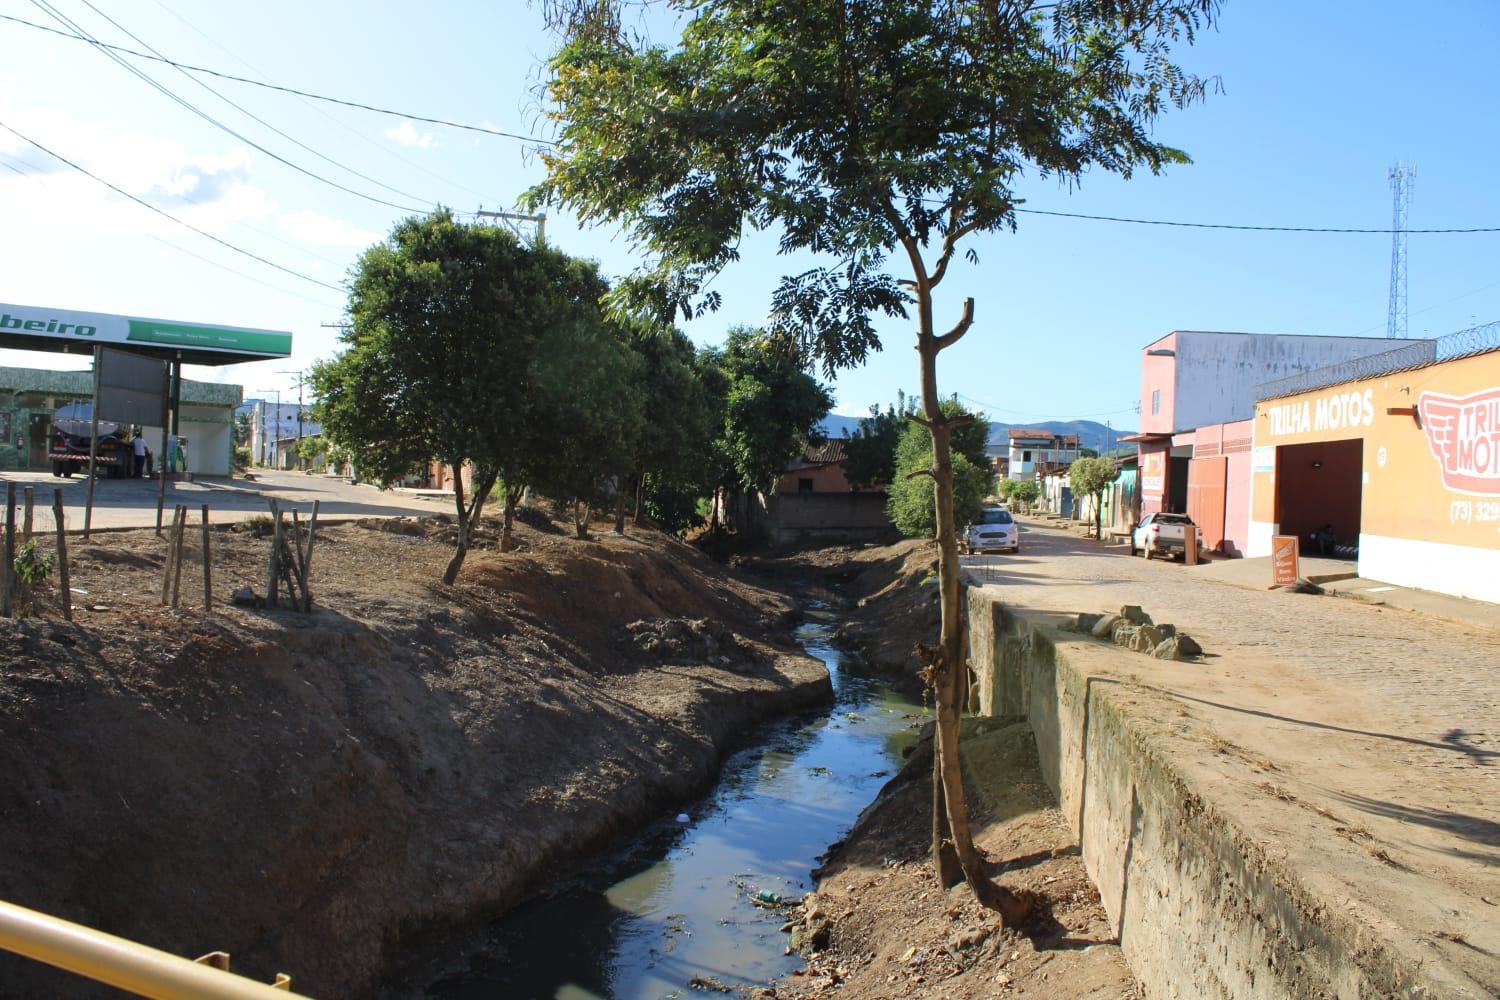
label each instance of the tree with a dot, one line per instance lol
(860, 129)
(870, 452)
(445, 319)
(1025, 492)
(769, 409)
(911, 505)
(1091, 477)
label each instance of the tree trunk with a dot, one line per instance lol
(1099, 516)
(641, 517)
(949, 669)
(512, 497)
(581, 511)
(461, 549)
(620, 506)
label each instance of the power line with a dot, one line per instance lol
(273, 86)
(1257, 229)
(169, 94)
(168, 215)
(1044, 416)
(254, 117)
(361, 136)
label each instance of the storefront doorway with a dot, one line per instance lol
(1320, 486)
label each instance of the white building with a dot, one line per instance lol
(272, 425)
(1032, 450)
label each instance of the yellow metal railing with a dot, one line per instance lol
(125, 964)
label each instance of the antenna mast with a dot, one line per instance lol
(1401, 178)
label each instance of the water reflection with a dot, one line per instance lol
(676, 903)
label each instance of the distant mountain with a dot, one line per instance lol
(1091, 433)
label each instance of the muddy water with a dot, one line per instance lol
(677, 903)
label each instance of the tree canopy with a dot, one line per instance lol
(911, 504)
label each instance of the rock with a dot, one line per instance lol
(1135, 614)
(1167, 649)
(1124, 633)
(1086, 621)
(1187, 646)
(1166, 630)
(1144, 639)
(1105, 625)
(245, 596)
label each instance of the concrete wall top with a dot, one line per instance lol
(1215, 374)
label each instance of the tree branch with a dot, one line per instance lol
(950, 241)
(952, 336)
(921, 472)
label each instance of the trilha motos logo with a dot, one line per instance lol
(1464, 435)
(9, 322)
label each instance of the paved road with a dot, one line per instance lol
(1383, 717)
(130, 503)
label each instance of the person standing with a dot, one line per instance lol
(138, 447)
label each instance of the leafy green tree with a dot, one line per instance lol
(911, 504)
(1090, 477)
(769, 409)
(445, 319)
(1025, 492)
(871, 450)
(860, 130)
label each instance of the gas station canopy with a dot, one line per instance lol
(38, 328)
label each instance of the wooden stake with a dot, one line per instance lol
(312, 536)
(8, 592)
(62, 554)
(180, 527)
(26, 517)
(273, 569)
(208, 566)
(166, 576)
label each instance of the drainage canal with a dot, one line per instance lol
(679, 903)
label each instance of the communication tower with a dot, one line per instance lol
(1402, 178)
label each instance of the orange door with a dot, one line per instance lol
(1206, 490)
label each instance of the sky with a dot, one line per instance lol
(1317, 102)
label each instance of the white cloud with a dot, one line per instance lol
(314, 227)
(406, 135)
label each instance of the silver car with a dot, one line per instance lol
(995, 529)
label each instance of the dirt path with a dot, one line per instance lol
(311, 792)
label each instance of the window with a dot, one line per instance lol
(804, 487)
(1025, 456)
(1155, 401)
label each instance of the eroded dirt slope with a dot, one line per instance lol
(308, 791)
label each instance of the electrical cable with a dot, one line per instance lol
(169, 215)
(254, 117)
(48, 8)
(1256, 229)
(285, 90)
(362, 137)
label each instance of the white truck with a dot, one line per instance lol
(1162, 534)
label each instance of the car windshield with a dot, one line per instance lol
(994, 515)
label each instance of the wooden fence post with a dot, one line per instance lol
(312, 536)
(273, 571)
(26, 517)
(208, 566)
(180, 527)
(7, 597)
(62, 554)
(166, 576)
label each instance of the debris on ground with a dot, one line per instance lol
(1134, 629)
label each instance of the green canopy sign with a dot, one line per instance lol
(44, 329)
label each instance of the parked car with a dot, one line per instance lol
(1160, 534)
(995, 529)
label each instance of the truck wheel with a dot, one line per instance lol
(56, 469)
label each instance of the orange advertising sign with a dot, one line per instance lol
(1284, 569)
(1464, 435)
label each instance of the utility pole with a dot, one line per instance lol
(539, 220)
(276, 421)
(299, 375)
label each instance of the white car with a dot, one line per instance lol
(995, 529)
(1160, 535)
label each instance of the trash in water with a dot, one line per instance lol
(767, 898)
(683, 817)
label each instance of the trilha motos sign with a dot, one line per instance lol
(1464, 435)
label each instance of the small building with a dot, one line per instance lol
(814, 502)
(1198, 392)
(1031, 449)
(1402, 466)
(29, 396)
(272, 424)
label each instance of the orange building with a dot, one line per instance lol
(1405, 465)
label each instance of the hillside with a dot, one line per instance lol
(1092, 433)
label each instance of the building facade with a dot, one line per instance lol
(1032, 451)
(29, 396)
(272, 423)
(1402, 466)
(1198, 395)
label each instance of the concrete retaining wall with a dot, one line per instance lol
(1202, 908)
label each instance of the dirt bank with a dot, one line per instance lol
(880, 925)
(308, 792)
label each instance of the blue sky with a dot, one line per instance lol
(1319, 100)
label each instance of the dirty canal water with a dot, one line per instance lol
(680, 902)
